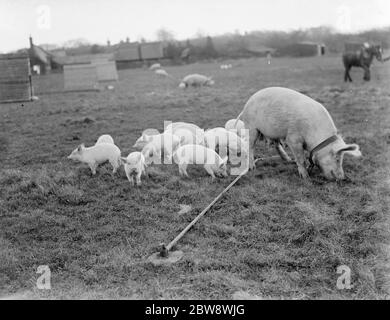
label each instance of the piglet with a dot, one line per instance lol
(134, 164)
(198, 154)
(105, 138)
(97, 154)
(165, 142)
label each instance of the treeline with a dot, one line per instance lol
(238, 45)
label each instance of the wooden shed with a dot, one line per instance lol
(15, 78)
(106, 71)
(151, 50)
(128, 52)
(80, 77)
(303, 49)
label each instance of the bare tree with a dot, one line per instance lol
(165, 35)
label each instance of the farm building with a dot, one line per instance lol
(80, 77)
(303, 49)
(15, 78)
(151, 50)
(127, 52)
(83, 59)
(39, 58)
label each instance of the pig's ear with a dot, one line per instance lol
(124, 160)
(80, 147)
(351, 149)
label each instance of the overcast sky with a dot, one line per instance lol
(56, 21)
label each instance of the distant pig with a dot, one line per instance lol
(155, 66)
(196, 154)
(98, 154)
(196, 80)
(105, 138)
(280, 113)
(161, 73)
(134, 165)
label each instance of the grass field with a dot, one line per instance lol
(271, 236)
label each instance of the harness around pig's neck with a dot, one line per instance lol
(320, 146)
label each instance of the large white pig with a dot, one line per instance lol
(280, 113)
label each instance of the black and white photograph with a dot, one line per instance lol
(211, 151)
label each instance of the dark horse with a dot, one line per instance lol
(361, 58)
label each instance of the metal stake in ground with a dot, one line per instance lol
(165, 256)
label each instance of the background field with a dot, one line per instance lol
(271, 236)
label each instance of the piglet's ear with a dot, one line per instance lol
(80, 147)
(351, 149)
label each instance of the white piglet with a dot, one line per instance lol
(142, 141)
(134, 166)
(236, 127)
(188, 137)
(98, 154)
(105, 138)
(225, 141)
(165, 142)
(197, 154)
